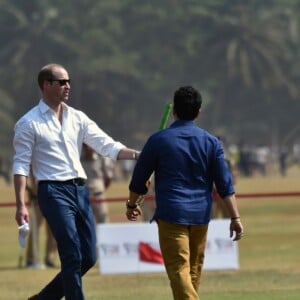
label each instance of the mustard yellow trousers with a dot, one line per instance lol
(183, 248)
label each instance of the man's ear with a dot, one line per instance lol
(199, 112)
(46, 84)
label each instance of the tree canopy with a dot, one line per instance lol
(127, 57)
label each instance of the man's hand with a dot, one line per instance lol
(22, 215)
(133, 213)
(237, 228)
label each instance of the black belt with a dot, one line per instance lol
(74, 181)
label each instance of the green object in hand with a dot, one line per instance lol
(165, 116)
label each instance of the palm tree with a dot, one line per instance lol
(249, 56)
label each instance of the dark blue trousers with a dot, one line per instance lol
(67, 210)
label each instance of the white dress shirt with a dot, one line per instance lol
(53, 148)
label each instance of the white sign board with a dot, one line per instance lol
(134, 248)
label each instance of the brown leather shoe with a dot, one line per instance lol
(34, 297)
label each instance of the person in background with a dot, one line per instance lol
(148, 205)
(37, 219)
(49, 138)
(282, 157)
(100, 173)
(5, 170)
(186, 161)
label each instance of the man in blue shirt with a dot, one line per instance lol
(186, 161)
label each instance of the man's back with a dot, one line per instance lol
(186, 160)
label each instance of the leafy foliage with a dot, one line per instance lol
(126, 58)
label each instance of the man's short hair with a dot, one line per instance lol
(46, 73)
(187, 103)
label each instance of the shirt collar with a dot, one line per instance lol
(45, 108)
(183, 123)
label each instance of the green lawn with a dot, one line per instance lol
(269, 253)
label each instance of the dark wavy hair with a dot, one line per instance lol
(187, 103)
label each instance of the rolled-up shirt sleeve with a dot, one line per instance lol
(23, 144)
(144, 168)
(222, 174)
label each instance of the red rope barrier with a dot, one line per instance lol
(269, 195)
(152, 198)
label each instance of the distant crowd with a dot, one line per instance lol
(262, 159)
(248, 160)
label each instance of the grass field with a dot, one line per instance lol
(269, 253)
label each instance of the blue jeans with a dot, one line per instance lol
(67, 210)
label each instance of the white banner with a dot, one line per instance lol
(134, 248)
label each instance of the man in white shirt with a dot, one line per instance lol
(50, 137)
